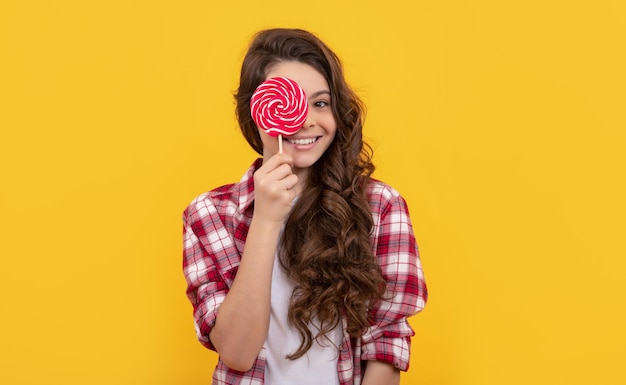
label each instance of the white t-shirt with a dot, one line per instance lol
(318, 366)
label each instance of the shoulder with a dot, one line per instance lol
(211, 201)
(226, 200)
(382, 197)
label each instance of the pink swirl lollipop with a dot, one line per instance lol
(279, 107)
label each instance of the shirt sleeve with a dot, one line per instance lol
(206, 246)
(388, 339)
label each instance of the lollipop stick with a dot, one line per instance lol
(280, 144)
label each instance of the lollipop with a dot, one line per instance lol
(279, 107)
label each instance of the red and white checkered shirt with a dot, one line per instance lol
(215, 227)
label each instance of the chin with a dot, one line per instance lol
(305, 162)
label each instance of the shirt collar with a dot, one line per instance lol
(246, 186)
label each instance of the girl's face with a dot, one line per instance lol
(309, 144)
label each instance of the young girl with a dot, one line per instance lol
(305, 271)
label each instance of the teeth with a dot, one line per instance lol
(302, 141)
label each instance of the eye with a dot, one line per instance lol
(321, 104)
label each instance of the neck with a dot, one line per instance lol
(302, 174)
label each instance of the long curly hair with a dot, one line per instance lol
(325, 248)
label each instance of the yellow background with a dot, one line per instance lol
(502, 123)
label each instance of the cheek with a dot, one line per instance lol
(264, 137)
(269, 142)
(331, 125)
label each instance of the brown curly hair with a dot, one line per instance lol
(325, 248)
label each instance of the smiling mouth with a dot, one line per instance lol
(303, 141)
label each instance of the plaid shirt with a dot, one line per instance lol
(215, 227)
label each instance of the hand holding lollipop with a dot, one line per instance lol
(279, 106)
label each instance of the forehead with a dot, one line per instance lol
(310, 79)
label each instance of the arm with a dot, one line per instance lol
(388, 339)
(243, 318)
(380, 373)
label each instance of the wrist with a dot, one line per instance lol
(265, 227)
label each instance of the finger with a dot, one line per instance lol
(276, 161)
(280, 172)
(288, 183)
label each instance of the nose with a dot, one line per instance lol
(310, 121)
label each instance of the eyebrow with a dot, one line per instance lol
(318, 93)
